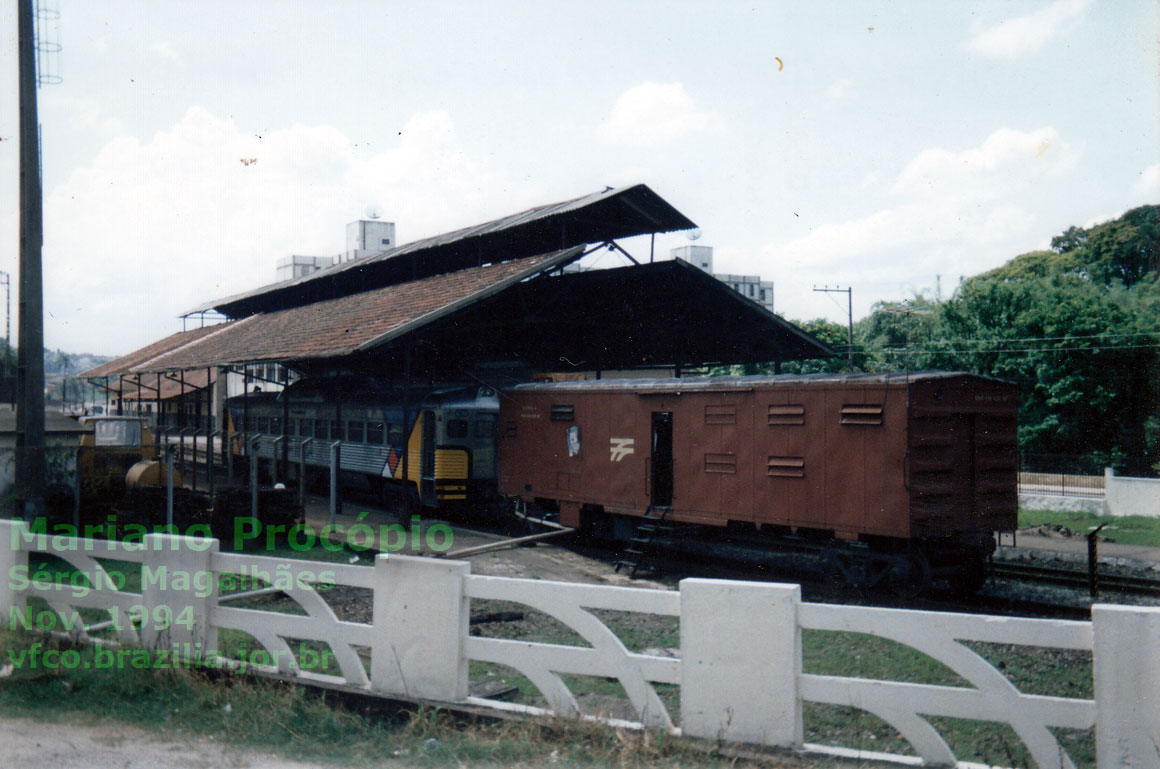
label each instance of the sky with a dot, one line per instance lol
(889, 147)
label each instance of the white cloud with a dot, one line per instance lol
(1007, 158)
(205, 209)
(840, 89)
(84, 115)
(1148, 186)
(1029, 33)
(655, 113)
(955, 212)
(165, 50)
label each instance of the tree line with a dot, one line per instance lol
(1076, 326)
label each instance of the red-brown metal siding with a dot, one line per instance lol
(963, 464)
(830, 455)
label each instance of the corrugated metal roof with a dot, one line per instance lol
(54, 422)
(348, 324)
(595, 218)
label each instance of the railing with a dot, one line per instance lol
(1062, 484)
(738, 669)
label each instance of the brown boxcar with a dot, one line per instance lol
(902, 464)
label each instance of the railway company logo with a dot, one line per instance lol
(621, 448)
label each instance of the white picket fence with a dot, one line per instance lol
(739, 666)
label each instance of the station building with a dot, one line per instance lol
(492, 304)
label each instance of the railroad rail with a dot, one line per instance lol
(1074, 578)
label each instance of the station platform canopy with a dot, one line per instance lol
(512, 305)
(596, 218)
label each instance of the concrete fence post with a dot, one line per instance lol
(13, 560)
(421, 622)
(1126, 669)
(1109, 490)
(178, 589)
(740, 662)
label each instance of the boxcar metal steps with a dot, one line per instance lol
(650, 525)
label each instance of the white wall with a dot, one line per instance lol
(1131, 496)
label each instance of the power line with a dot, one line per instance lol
(1020, 349)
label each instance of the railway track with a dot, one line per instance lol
(1074, 578)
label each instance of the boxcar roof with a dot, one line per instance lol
(724, 383)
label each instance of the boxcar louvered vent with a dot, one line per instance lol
(787, 467)
(562, 412)
(721, 415)
(864, 414)
(721, 463)
(793, 414)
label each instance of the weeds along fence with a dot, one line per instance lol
(738, 669)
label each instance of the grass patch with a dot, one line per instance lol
(294, 721)
(1128, 529)
(1033, 670)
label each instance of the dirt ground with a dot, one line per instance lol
(30, 744)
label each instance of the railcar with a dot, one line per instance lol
(434, 447)
(895, 478)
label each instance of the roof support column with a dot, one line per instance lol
(160, 415)
(246, 408)
(407, 426)
(286, 420)
(208, 406)
(339, 437)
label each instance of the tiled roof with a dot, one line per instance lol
(171, 385)
(125, 363)
(601, 216)
(341, 326)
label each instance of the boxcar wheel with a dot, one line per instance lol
(970, 578)
(911, 578)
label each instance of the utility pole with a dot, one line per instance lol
(849, 292)
(4, 281)
(30, 350)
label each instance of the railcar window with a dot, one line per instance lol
(276, 425)
(375, 432)
(336, 432)
(862, 414)
(485, 426)
(354, 431)
(320, 429)
(457, 428)
(304, 428)
(263, 424)
(791, 414)
(725, 414)
(562, 412)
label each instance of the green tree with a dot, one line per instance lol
(1084, 354)
(836, 336)
(893, 332)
